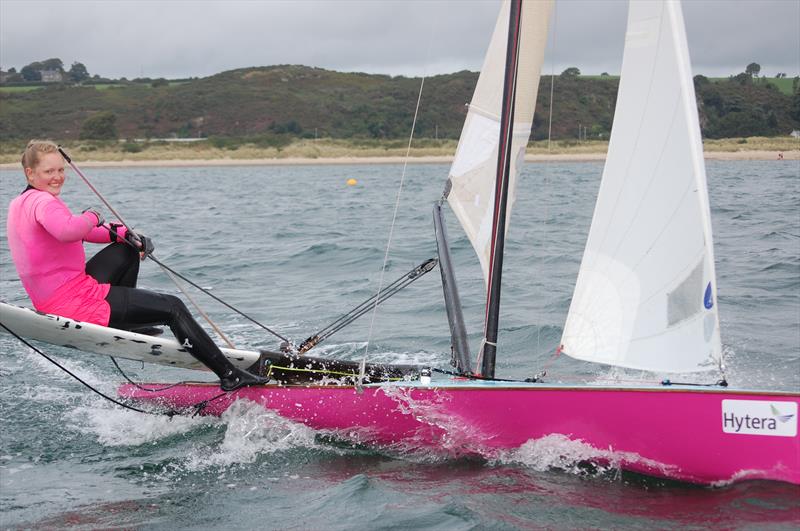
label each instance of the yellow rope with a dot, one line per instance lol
(269, 373)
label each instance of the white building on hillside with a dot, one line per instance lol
(52, 76)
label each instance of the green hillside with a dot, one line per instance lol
(742, 107)
(273, 105)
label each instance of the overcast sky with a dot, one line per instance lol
(177, 39)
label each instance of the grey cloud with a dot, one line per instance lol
(199, 38)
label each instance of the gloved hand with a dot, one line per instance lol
(96, 212)
(141, 242)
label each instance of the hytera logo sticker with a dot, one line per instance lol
(759, 417)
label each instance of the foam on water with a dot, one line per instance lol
(559, 452)
(319, 253)
(453, 438)
(251, 431)
(113, 426)
(50, 395)
(83, 365)
(248, 432)
(355, 351)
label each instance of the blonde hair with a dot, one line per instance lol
(34, 151)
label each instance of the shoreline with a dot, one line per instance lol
(439, 159)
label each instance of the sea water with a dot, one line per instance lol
(295, 247)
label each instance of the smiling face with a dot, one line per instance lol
(47, 174)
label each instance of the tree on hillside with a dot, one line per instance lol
(291, 127)
(377, 129)
(743, 78)
(78, 72)
(572, 71)
(711, 97)
(753, 69)
(30, 73)
(52, 64)
(100, 126)
(48, 64)
(795, 109)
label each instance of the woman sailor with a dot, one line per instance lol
(46, 242)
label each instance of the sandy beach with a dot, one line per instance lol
(289, 161)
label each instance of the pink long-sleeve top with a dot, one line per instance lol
(46, 242)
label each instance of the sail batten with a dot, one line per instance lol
(645, 297)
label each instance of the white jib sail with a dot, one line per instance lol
(646, 291)
(472, 175)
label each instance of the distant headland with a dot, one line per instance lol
(288, 112)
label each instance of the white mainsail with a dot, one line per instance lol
(646, 291)
(472, 175)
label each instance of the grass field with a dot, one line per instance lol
(99, 86)
(784, 84)
(21, 89)
(616, 77)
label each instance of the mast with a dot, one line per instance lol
(489, 343)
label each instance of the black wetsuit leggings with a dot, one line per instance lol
(131, 307)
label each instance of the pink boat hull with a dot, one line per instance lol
(674, 433)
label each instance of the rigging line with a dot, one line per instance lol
(365, 306)
(185, 294)
(472, 376)
(206, 292)
(610, 379)
(129, 229)
(92, 188)
(388, 291)
(140, 386)
(78, 378)
(550, 360)
(394, 217)
(200, 406)
(399, 193)
(199, 309)
(548, 167)
(552, 76)
(327, 371)
(719, 383)
(209, 294)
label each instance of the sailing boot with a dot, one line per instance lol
(230, 377)
(196, 341)
(236, 378)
